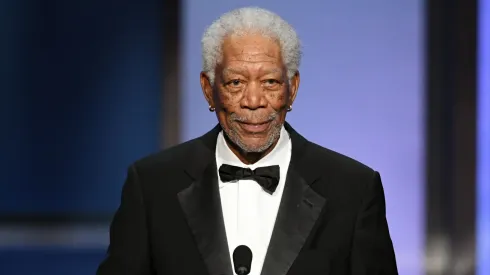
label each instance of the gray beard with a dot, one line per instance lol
(273, 137)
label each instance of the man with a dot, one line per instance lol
(252, 180)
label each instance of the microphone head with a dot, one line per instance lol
(242, 260)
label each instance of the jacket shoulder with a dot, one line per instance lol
(175, 156)
(345, 180)
(338, 165)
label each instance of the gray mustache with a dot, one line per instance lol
(238, 118)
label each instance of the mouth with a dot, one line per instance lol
(255, 127)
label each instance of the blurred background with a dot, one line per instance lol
(88, 87)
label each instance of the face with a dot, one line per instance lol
(251, 92)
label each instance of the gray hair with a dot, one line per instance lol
(250, 20)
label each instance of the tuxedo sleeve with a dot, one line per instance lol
(128, 251)
(372, 249)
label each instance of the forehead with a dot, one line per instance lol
(251, 49)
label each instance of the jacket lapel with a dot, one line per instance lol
(202, 207)
(298, 212)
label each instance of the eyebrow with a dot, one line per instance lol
(233, 71)
(271, 71)
(244, 72)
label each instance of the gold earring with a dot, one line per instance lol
(211, 108)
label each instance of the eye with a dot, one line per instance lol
(234, 83)
(271, 83)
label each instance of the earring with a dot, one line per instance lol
(290, 108)
(211, 108)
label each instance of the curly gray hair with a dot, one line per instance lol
(250, 20)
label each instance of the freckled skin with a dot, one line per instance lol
(251, 87)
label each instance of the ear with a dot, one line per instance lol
(207, 89)
(293, 87)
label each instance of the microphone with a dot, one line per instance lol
(242, 260)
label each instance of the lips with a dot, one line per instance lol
(255, 127)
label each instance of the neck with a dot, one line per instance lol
(248, 157)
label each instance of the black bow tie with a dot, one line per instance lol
(267, 177)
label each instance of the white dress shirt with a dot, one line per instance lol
(249, 212)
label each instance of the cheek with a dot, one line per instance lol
(227, 98)
(277, 99)
(228, 103)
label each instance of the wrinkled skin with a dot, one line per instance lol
(251, 94)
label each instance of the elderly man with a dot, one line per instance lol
(252, 180)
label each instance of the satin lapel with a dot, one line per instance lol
(201, 204)
(300, 208)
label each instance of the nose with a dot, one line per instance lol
(253, 97)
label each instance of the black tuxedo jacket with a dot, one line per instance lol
(331, 219)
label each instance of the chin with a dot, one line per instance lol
(255, 146)
(254, 149)
(252, 142)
